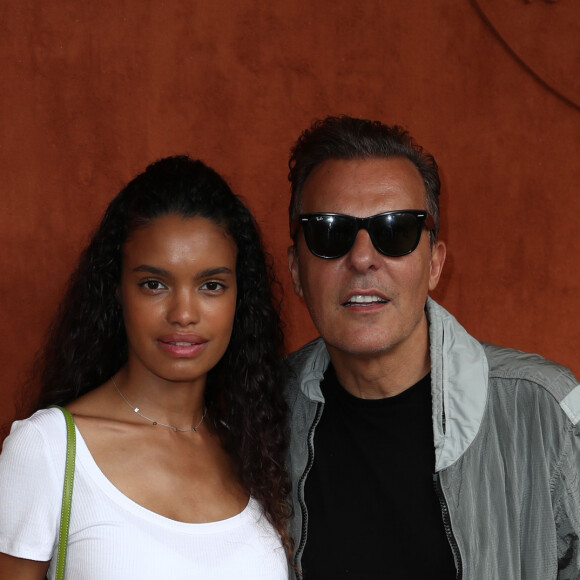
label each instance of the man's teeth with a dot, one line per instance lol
(360, 299)
(182, 343)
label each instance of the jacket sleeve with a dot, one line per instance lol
(567, 508)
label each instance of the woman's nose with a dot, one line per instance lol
(183, 309)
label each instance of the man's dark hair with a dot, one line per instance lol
(348, 138)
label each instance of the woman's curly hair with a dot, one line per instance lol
(87, 343)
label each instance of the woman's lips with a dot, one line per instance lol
(182, 346)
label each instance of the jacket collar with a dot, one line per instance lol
(459, 385)
(459, 382)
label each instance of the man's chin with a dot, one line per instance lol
(365, 347)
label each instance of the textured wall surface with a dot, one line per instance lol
(94, 91)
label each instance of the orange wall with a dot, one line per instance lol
(94, 91)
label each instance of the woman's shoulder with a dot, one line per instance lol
(44, 421)
(32, 466)
(43, 433)
(31, 479)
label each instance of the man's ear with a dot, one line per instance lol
(294, 270)
(438, 253)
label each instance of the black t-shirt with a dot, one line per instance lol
(372, 507)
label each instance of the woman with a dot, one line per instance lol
(166, 351)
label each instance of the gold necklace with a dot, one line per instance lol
(152, 421)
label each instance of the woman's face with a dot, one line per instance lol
(178, 295)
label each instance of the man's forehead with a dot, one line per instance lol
(381, 184)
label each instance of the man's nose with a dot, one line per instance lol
(363, 255)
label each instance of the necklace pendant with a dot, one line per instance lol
(136, 410)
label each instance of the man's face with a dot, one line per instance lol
(332, 288)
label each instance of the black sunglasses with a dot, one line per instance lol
(393, 233)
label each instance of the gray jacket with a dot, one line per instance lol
(507, 453)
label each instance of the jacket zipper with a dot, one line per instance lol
(447, 526)
(300, 490)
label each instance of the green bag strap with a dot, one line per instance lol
(67, 490)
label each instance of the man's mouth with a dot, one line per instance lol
(364, 300)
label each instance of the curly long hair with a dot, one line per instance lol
(87, 342)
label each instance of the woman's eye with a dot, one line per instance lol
(152, 285)
(213, 286)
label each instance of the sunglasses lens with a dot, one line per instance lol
(329, 236)
(396, 234)
(393, 234)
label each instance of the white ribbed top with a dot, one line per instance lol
(111, 536)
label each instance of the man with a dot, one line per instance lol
(416, 451)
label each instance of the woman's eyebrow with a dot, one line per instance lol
(152, 270)
(203, 274)
(214, 272)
